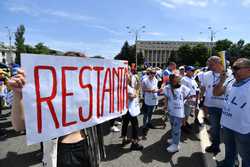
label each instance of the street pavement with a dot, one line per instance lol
(13, 149)
(154, 153)
(15, 153)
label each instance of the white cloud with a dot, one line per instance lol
(105, 28)
(168, 5)
(23, 9)
(176, 3)
(66, 15)
(154, 33)
(245, 3)
(34, 10)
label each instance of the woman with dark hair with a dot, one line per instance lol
(175, 94)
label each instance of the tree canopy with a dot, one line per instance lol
(129, 53)
(19, 37)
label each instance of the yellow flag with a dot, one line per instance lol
(222, 55)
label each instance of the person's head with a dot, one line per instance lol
(172, 65)
(241, 69)
(175, 80)
(75, 54)
(190, 71)
(182, 70)
(148, 70)
(214, 64)
(152, 73)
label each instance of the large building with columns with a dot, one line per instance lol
(157, 53)
(7, 56)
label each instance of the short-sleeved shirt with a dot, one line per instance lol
(176, 99)
(209, 81)
(235, 113)
(133, 104)
(150, 99)
(193, 86)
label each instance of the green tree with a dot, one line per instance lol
(19, 42)
(123, 55)
(222, 45)
(131, 57)
(235, 51)
(98, 57)
(40, 48)
(140, 59)
(185, 55)
(246, 51)
(29, 49)
(200, 54)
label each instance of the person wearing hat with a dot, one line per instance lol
(171, 69)
(192, 101)
(182, 71)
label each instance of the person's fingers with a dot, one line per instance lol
(21, 72)
(12, 83)
(18, 83)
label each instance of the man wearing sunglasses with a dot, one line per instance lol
(236, 116)
(150, 89)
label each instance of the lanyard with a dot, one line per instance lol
(215, 79)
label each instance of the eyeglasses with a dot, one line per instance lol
(236, 68)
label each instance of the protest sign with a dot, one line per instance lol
(65, 94)
(222, 55)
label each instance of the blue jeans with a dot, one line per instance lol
(243, 146)
(147, 115)
(230, 147)
(176, 129)
(215, 116)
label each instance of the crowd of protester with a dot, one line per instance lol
(222, 94)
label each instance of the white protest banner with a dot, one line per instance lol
(65, 94)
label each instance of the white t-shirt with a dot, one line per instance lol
(150, 99)
(133, 80)
(176, 101)
(209, 81)
(193, 86)
(236, 110)
(133, 104)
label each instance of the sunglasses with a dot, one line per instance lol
(236, 68)
(152, 73)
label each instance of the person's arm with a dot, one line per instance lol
(16, 83)
(197, 99)
(17, 112)
(145, 89)
(219, 89)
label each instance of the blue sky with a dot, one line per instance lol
(98, 27)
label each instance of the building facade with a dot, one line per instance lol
(7, 56)
(157, 53)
